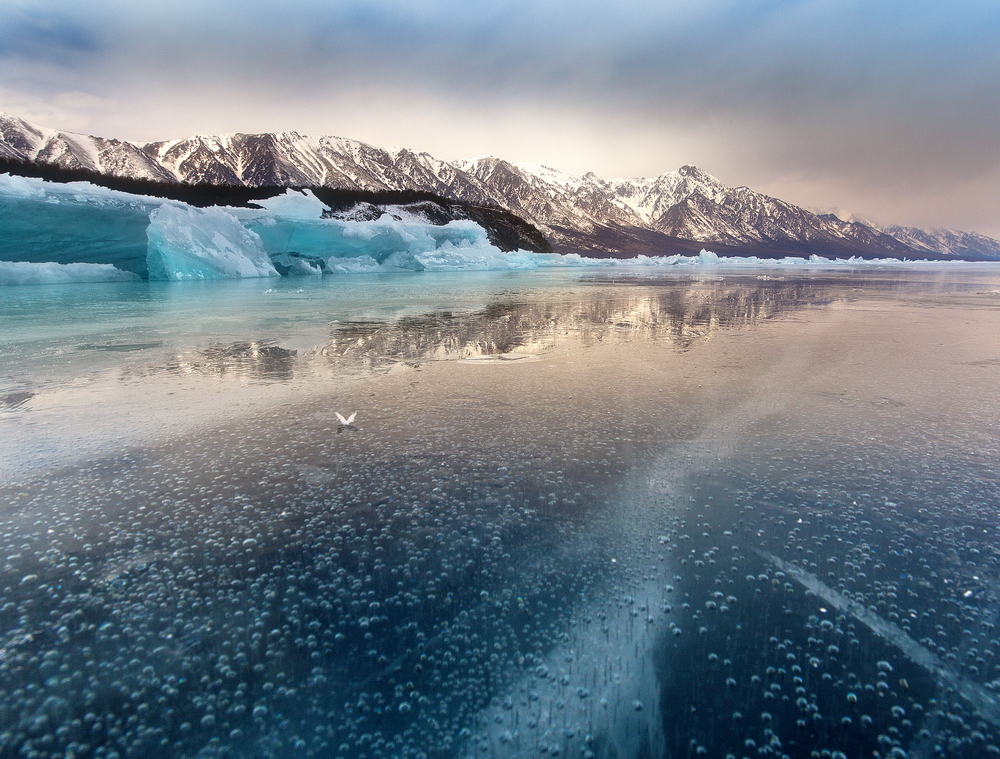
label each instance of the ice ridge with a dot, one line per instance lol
(79, 223)
(985, 704)
(54, 232)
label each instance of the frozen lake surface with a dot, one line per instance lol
(727, 511)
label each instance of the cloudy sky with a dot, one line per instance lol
(889, 109)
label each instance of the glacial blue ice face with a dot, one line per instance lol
(75, 223)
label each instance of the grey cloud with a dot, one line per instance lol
(42, 35)
(879, 98)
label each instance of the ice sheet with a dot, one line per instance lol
(506, 530)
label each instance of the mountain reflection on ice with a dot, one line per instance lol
(257, 359)
(681, 314)
(587, 554)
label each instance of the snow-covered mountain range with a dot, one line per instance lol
(678, 211)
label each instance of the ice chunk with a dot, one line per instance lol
(294, 205)
(294, 263)
(21, 187)
(291, 225)
(352, 264)
(47, 222)
(193, 243)
(476, 258)
(81, 223)
(402, 259)
(48, 273)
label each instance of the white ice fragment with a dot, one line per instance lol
(352, 264)
(21, 187)
(294, 205)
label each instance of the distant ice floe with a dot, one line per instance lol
(710, 258)
(80, 225)
(47, 273)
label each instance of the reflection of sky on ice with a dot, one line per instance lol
(570, 554)
(94, 356)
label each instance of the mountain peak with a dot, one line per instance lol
(691, 171)
(698, 175)
(588, 212)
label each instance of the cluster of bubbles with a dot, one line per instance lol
(277, 589)
(597, 691)
(879, 640)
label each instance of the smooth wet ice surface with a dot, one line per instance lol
(581, 515)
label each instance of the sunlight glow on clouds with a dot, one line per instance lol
(886, 108)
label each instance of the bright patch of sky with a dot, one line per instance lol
(887, 109)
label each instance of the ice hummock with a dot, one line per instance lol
(293, 224)
(209, 243)
(79, 223)
(74, 223)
